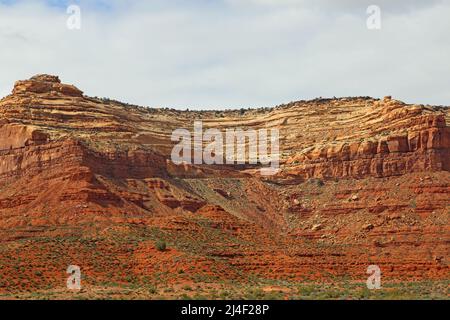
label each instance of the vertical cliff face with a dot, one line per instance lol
(15, 136)
(362, 180)
(422, 145)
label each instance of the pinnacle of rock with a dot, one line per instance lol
(46, 84)
(46, 78)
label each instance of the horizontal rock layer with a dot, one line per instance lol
(362, 181)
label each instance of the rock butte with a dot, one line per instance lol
(89, 181)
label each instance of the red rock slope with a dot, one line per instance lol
(88, 181)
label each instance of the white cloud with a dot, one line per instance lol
(340, 5)
(238, 53)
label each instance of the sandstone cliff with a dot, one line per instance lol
(362, 181)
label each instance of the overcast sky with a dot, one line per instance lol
(231, 53)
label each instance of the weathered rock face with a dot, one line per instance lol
(423, 147)
(18, 136)
(362, 181)
(45, 84)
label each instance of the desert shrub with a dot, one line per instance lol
(316, 181)
(152, 289)
(161, 245)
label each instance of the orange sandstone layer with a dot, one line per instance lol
(362, 181)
